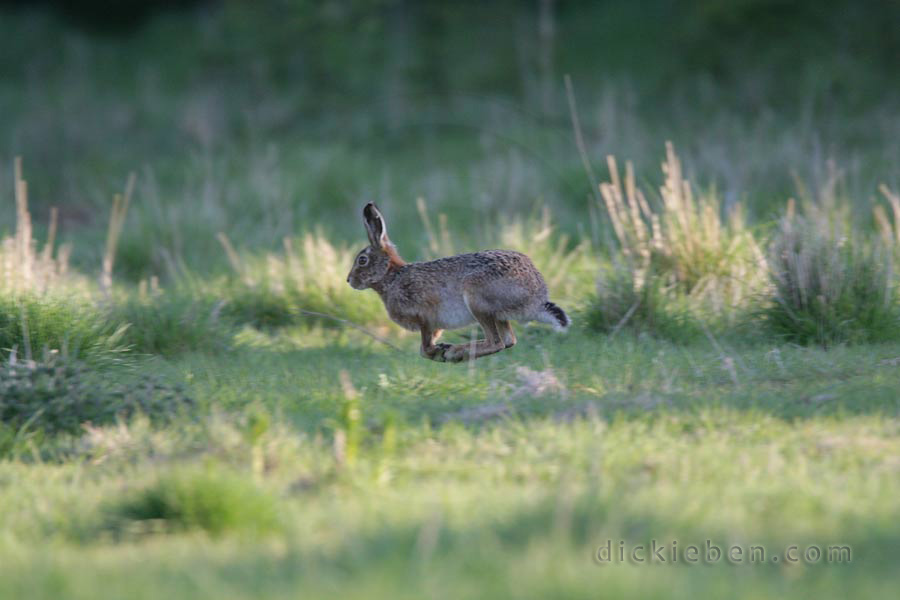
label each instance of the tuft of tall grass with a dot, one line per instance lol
(830, 285)
(679, 250)
(31, 325)
(646, 306)
(309, 277)
(684, 238)
(167, 322)
(24, 269)
(43, 305)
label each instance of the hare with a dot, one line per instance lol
(491, 287)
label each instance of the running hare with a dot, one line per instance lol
(491, 287)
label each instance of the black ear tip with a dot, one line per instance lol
(370, 210)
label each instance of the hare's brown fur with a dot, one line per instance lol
(492, 287)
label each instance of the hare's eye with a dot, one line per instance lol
(363, 260)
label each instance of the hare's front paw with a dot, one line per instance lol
(436, 352)
(440, 352)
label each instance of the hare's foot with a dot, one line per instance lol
(436, 352)
(461, 352)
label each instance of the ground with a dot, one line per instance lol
(502, 477)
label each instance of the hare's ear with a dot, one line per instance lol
(375, 226)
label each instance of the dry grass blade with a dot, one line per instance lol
(114, 232)
(890, 232)
(233, 259)
(360, 328)
(579, 138)
(433, 244)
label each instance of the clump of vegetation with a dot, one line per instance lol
(640, 306)
(59, 394)
(310, 277)
(680, 252)
(23, 268)
(33, 324)
(830, 286)
(210, 500)
(167, 322)
(685, 240)
(43, 305)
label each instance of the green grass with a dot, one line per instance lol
(830, 287)
(167, 322)
(639, 301)
(452, 495)
(198, 499)
(64, 323)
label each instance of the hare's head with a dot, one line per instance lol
(373, 262)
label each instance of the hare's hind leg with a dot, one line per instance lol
(492, 343)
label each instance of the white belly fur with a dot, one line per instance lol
(453, 313)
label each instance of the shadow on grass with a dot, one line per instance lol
(544, 550)
(551, 377)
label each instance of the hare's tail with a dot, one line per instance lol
(554, 315)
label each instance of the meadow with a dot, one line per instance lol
(194, 402)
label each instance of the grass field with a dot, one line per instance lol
(501, 480)
(194, 403)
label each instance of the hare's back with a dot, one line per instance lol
(504, 283)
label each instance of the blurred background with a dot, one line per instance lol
(264, 119)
